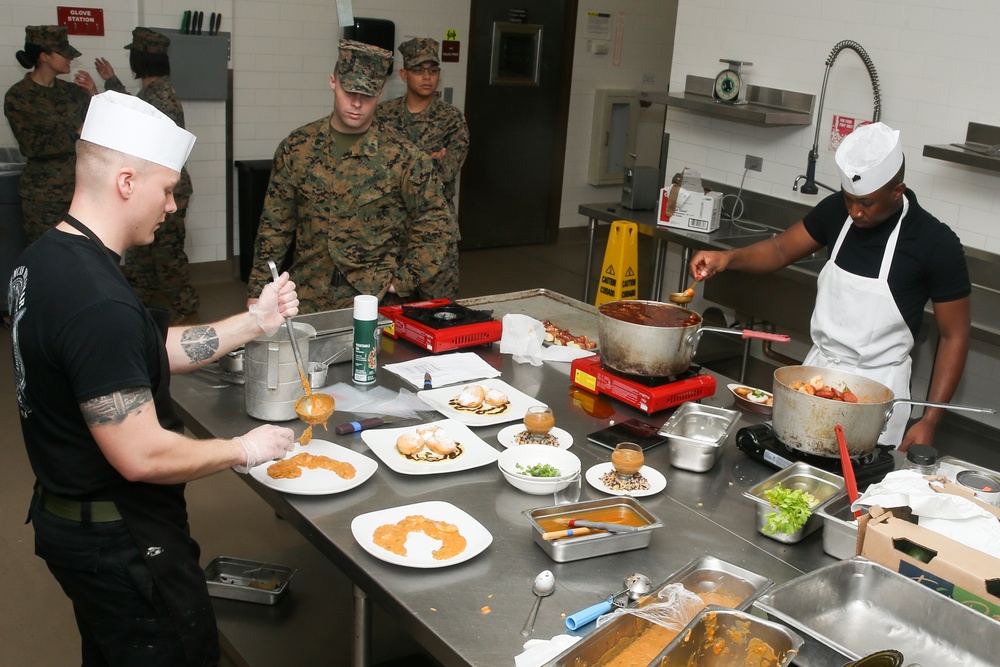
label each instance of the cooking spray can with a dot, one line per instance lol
(366, 335)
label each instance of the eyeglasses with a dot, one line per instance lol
(421, 71)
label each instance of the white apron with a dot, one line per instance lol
(857, 327)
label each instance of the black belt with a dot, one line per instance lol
(85, 511)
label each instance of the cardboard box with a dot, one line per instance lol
(893, 539)
(694, 212)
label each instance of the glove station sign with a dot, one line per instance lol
(81, 20)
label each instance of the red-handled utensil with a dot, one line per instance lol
(848, 468)
(764, 335)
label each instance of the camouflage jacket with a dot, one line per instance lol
(46, 123)
(162, 96)
(440, 125)
(378, 215)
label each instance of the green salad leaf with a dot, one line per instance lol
(538, 470)
(794, 509)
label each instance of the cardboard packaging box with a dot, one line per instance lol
(891, 538)
(694, 212)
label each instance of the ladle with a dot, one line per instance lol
(686, 296)
(636, 586)
(542, 587)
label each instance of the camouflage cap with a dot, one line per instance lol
(419, 50)
(50, 38)
(362, 68)
(148, 41)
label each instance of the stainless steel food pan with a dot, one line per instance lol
(722, 638)
(247, 580)
(820, 483)
(595, 544)
(696, 433)
(857, 607)
(701, 575)
(840, 528)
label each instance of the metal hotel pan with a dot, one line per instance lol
(595, 544)
(856, 607)
(723, 638)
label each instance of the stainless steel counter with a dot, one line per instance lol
(443, 609)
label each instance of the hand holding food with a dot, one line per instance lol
(265, 443)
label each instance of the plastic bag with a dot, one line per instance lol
(674, 608)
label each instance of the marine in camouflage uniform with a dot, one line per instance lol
(433, 126)
(162, 265)
(46, 122)
(359, 211)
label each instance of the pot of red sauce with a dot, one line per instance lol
(654, 339)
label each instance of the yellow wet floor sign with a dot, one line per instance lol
(620, 272)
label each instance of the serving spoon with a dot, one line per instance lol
(542, 587)
(686, 296)
(636, 586)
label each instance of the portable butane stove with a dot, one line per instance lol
(761, 444)
(440, 325)
(647, 394)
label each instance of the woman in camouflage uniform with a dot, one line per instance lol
(45, 114)
(163, 265)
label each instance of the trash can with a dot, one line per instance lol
(251, 187)
(12, 238)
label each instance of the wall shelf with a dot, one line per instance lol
(767, 107)
(978, 135)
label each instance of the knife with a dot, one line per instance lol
(373, 422)
(218, 23)
(201, 19)
(211, 24)
(185, 21)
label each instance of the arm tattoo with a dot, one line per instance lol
(114, 408)
(200, 343)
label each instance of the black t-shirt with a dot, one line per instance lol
(79, 332)
(929, 262)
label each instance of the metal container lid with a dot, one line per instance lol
(880, 659)
(922, 455)
(978, 481)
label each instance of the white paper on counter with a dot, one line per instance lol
(523, 337)
(952, 516)
(444, 369)
(539, 651)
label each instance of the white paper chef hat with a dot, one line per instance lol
(129, 125)
(868, 158)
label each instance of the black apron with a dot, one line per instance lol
(156, 516)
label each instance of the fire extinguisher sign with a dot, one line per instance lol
(841, 127)
(81, 20)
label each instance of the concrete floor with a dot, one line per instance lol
(36, 621)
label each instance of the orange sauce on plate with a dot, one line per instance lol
(392, 536)
(292, 468)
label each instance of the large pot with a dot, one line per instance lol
(807, 423)
(654, 339)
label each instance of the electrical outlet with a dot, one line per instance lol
(753, 163)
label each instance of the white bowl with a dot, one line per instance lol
(528, 455)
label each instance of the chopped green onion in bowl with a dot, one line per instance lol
(538, 470)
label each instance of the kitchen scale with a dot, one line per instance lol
(440, 325)
(729, 84)
(760, 443)
(643, 393)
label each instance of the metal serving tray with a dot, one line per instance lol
(696, 433)
(702, 574)
(840, 528)
(595, 544)
(857, 607)
(579, 318)
(722, 638)
(247, 580)
(816, 481)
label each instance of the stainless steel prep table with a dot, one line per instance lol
(443, 608)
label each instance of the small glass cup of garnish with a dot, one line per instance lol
(627, 459)
(538, 421)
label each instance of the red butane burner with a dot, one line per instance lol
(647, 394)
(440, 325)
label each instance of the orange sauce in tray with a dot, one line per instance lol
(613, 514)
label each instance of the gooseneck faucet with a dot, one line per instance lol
(809, 187)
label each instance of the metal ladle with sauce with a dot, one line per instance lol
(312, 408)
(686, 296)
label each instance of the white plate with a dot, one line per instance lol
(657, 482)
(507, 433)
(476, 452)
(319, 482)
(762, 408)
(418, 545)
(519, 403)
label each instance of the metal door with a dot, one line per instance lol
(517, 105)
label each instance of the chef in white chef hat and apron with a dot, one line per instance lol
(888, 257)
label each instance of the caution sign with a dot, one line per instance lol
(620, 272)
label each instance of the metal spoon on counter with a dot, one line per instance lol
(542, 587)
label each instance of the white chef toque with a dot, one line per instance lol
(868, 158)
(131, 126)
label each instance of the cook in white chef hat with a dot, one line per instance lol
(129, 125)
(868, 158)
